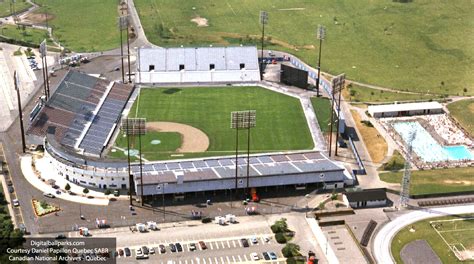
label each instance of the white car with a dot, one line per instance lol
(16, 203)
(50, 195)
(254, 256)
(151, 250)
(254, 240)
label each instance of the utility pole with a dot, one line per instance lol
(130, 182)
(340, 88)
(22, 129)
(337, 86)
(263, 21)
(320, 34)
(141, 167)
(128, 44)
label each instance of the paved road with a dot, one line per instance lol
(383, 239)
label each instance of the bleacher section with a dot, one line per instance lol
(106, 118)
(83, 111)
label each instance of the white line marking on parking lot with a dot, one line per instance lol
(228, 243)
(240, 243)
(245, 257)
(204, 260)
(228, 260)
(215, 258)
(211, 245)
(222, 260)
(222, 243)
(217, 245)
(180, 262)
(240, 259)
(210, 261)
(233, 259)
(233, 242)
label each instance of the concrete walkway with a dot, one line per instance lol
(44, 168)
(383, 239)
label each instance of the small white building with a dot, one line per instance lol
(197, 65)
(367, 198)
(409, 109)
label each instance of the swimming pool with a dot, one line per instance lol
(426, 147)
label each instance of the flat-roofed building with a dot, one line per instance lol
(197, 65)
(409, 109)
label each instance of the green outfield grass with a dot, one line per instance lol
(364, 94)
(31, 35)
(20, 6)
(83, 25)
(435, 181)
(423, 230)
(280, 126)
(418, 46)
(322, 108)
(463, 112)
(170, 141)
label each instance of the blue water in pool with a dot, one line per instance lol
(426, 147)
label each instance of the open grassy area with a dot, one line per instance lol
(322, 108)
(169, 142)
(435, 181)
(5, 7)
(357, 93)
(31, 35)
(419, 46)
(83, 25)
(374, 142)
(463, 112)
(423, 230)
(280, 119)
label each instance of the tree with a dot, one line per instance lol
(291, 250)
(107, 192)
(280, 238)
(280, 226)
(67, 187)
(44, 204)
(85, 191)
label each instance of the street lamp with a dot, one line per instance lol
(320, 34)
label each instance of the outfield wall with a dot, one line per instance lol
(178, 77)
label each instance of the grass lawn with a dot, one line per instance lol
(435, 181)
(169, 142)
(463, 112)
(363, 94)
(20, 6)
(422, 45)
(423, 230)
(322, 108)
(31, 35)
(280, 126)
(374, 142)
(83, 25)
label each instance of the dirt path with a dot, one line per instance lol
(193, 139)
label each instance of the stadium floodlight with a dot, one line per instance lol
(133, 127)
(122, 24)
(336, 87)
(263, 21)
(22, 129)
(43, 50)
(320, 34)
(242, 120)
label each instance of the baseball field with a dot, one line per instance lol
(202, 117)
(421, 46)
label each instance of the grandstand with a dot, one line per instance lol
(84, 111)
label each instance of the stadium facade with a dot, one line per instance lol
(197, 65)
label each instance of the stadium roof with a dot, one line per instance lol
(403, 107)
(198, 59)
(224, 167)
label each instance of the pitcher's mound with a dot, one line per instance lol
(193, 139)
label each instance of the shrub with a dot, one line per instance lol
(291, 250)
(206, 220)
(280, 226)
(85, 190)
(107, 192)
(67, 187)
(44, 204)
(280, 238)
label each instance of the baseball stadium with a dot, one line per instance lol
(196, 120)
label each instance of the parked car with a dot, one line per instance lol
(116, 193)
(61, 236)
(203, 245)
(10, 189)
(9, 183)
(254, 240)
(151, 250)
(50, 195)
(272, 255)
(266, 239)
(120, 252)
(192, 246)
(141, 256)
(245, 242)
(266, 256)
(128, 253)
(16, 203)
(172, 247)
(145, 250)
(162, 249)
(254, 256)
(179, 247)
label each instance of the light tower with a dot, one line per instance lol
(405, 190)
(263, 21)
(320, 34)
